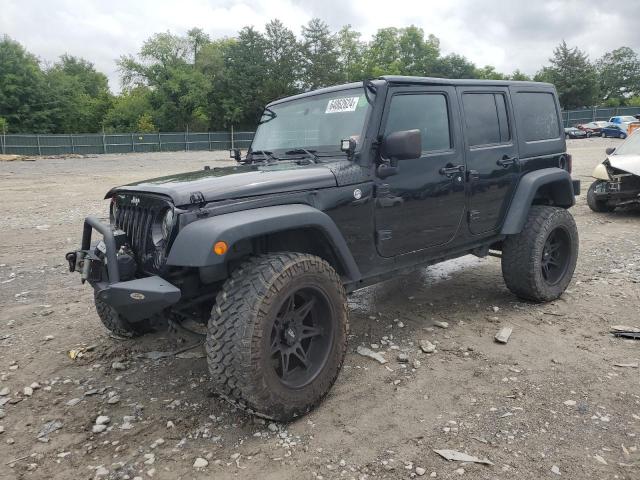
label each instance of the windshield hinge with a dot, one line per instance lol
(197, 197)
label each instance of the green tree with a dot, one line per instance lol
(145, 124)
(351, 52)
(4, 125)
(573, 75)
(417, 55)
(454, 66)
(488, 72)
(613, 102)
(178, 89)
(82, 95)
(127, 109)
(634, 101)
(619, 74)
(282, 61)
(319, 55)
(239, 96)
(197, 40)
(518, 75)
(25, 99)
(382, 56)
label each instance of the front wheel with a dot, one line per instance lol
(277, 335)
(117, 324)
(538, 263)
(600, 206)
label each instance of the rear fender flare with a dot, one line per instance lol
(193, 247)
(560, 188)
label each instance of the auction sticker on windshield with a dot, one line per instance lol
(345, 104)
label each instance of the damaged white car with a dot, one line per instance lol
(617, 178)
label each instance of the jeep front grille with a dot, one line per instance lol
(136, 222)
(138, 215)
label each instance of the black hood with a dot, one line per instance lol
(235, 182)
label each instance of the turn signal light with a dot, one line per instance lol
(220, 248)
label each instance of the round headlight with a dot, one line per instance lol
(167, 223)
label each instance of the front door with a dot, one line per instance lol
(423, 204)
(491, 154)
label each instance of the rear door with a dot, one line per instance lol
(491, 155)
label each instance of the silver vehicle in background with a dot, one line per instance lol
(617, 178)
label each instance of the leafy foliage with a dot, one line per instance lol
(127, 109)
(619, 73)
(191, 81)
(573, 75)
(24, 102)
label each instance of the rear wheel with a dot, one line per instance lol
(596, 205)
(277, 335)
(538, 263)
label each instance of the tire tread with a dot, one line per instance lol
(233, 333)
(519, 269)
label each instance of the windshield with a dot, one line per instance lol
(631, 146)
(315, 123)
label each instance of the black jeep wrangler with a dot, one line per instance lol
(342, 188)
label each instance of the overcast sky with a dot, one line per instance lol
(508, 34)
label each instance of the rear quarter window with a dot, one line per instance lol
(537, 116)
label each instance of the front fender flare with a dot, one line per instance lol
(561, 190)
(193, 247)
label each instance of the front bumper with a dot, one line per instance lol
(136, 299)
(616, 192)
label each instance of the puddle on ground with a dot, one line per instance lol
(405, 285)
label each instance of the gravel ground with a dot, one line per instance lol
(550, 402)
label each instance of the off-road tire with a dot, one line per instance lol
(118, 325)
(595, 204)
(522, 254)
(241, 326)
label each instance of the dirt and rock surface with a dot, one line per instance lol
(551, 402)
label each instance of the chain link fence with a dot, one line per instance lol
(87, 144)
(572, 118)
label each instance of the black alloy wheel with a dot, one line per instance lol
(277, 336)
(538, 263)
(555, 255)
(301, 337)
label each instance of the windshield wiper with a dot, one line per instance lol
(266, 154)
(310, 153)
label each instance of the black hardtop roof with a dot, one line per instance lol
(405, 80)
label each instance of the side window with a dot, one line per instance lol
(486, 118)
(427, 112)
(537, 116)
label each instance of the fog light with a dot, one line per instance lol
(220, 248)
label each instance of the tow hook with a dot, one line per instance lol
(71, 258)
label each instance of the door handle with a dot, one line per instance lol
(451, 170)
(507, 161)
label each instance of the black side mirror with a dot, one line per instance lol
(402, 145)
(610, 150)
(235, 154)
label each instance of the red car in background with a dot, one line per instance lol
(593, 129)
